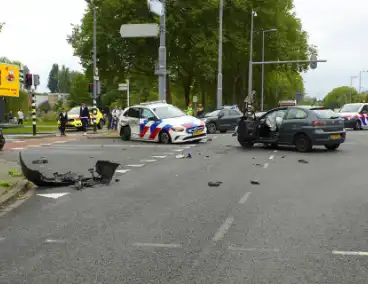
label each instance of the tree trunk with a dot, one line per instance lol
(186, 87)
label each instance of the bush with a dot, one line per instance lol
(50, 116)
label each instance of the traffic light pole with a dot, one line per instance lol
(34, 120)
(95, 75)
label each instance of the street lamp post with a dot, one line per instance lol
(360, 79)
(219, 76)
(351, 85)
(250, 72)
(263, 59)
(95, 72)
(162, 53)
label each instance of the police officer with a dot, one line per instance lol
(84, 117)
(63, 118)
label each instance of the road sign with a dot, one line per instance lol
(195, 99)
(9, 80)
(139, 30)
(313, 64)
(156, 7)
(123, 87)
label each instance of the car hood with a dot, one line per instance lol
(186, 121)
(345, 114)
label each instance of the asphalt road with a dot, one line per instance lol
(162, 223)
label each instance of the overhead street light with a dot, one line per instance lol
(263, 59)
(219, 75)
(250, 72)
(351, 85)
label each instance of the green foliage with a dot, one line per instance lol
(53, 83)
(59, 105)
(50, 116)
(64, 80)
(78, 90)
(340, 96)
(192, 43)
(44, 107)
(15, 104)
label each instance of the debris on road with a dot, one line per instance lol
(216, 183)
(189, 156)
(40, 162)
(282, 157)
(180, 156)
(102, 174)
(255, 182)
(257, 165)
(303, 161)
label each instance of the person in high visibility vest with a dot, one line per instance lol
(189, 110)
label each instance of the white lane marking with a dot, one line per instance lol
(2, 239)
(167, 153)
(236, 248)
(271, 157)
(157, 245)
(265, 166)
(187, 147)
(135, 166)
(19, 141)
(148, 161)
(179, 150)
(244, 198)
(51, 241)
(60, 142)
(159, 157)
(223, 229)
(358, 253)
(54, 195)
(122, 171)
(17, 149)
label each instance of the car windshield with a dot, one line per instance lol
(326, 113)
(351, 108)
(168, 112)
(74, 111)
(214, 113)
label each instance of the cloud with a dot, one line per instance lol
(35, 33)
(337, 28)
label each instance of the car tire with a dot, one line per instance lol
(332, 147)
(303, 143)
(164, 137)
(246, 144)
(223, 131)
(358, 125)
(272, 145)
(211, 128)
(125, 133)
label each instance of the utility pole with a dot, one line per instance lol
(360, 79)
(250, 72)
(219, 76)
(263, 59)
(162, 54)
(351, 85)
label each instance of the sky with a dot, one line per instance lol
(37, 37)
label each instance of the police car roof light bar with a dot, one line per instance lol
(154, 102)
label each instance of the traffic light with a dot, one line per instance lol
(28, 83)
(313, 63)
(21, 77)
(36, 80)
(90, 87)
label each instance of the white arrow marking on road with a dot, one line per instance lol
(358, 253)
(244, 198)
(55, 241)
(223, 229)
(53, 195)
(135, 166)
(122, 171)
(159, 157)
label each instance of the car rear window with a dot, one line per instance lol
(326, 113)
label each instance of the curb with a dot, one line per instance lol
(103, 137)
(21, 186)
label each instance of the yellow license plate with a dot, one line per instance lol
(335, 137)
(196, 133)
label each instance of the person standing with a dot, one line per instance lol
(11, 117)
(115, 115)
(189, 110)
(84, 117)
(200, 110)
(20, 117)
(63, 118)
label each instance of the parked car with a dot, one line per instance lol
(222, 119)
(355, 115)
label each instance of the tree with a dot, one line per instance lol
(1, 26)
(79, 90)
(53, 83)
(340, 96)
(192, 42)
(64, 80)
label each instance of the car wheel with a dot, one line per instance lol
(358, 125)
(246, 144)
(125, 133)
(303, 143)
(223, 131)
(165, 137)
(332, 147)
(211, 128)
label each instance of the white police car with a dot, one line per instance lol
(160, 122)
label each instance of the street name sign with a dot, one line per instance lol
(156, 7)
(139, 30)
